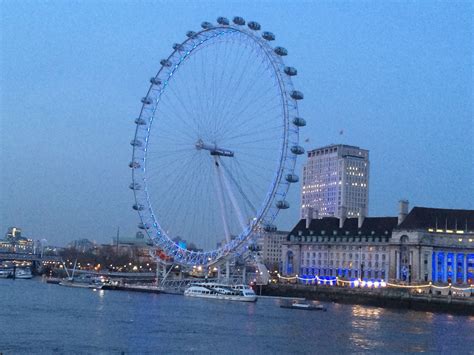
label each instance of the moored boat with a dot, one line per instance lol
(23, 273)
(213, 290)
(304, 306)
(6, 273)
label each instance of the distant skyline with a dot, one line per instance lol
(392, 77)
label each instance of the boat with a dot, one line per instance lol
(6, 273)
(71, 283)
(23, 273)
(304, 306)
(220, 291)
(84, 282)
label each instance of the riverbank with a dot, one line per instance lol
(383, 297)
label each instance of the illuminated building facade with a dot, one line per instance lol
(427, 244)
(14, 242)
(347, 248)
(434, 244)
(335, 182)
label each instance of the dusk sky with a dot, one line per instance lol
(395, 78)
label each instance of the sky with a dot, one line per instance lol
(396, 77)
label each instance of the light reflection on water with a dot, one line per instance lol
(83, 321)
(364, 320)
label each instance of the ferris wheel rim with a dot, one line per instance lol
(161, 239)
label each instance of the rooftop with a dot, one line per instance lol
(439, 218)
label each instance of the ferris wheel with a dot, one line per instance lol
(216, 143)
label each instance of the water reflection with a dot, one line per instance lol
(364, 311)
(365, 322)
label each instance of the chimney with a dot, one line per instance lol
(403, 211)
(343, 216)
(309, 216)
(361, 217)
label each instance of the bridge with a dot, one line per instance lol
(28, 257)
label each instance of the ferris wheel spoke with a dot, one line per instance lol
(239, 188)
(243, 113)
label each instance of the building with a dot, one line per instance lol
(13, 233)
(14, 242)
(335, 182)
(434, 244)
(426, 245)
(342, 247)
(269, 245)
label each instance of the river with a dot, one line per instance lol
(36, 317)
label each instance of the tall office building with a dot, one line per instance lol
(335, 182)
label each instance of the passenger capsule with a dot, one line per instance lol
(190, 34)
(165, 62)
(140, 121)
(239, 20)
(268, 36)
(223, 21)
(206, 25)
(298, 150)
(134, 165)
(146, 100)
(136, 143)
(269, 228)
(254, 25)
(298, 121)
(292, 178)
(135, 186)
(297, 95)
(177, 46)
(290, 71)
(281, 51)
(143, 226)
(282, 204)
(138, 207)
(155, 81)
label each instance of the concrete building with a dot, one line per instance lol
(270, 244)
(335, 182)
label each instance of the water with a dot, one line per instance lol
(36, 317)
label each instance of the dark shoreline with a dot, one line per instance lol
(386, 298)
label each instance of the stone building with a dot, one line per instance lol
(433, 244)
(343, 247)
(427, 244)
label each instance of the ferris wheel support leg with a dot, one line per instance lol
(234, 201)
(220, 196)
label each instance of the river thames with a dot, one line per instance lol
(36, 317)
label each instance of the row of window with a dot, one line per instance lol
(344, 264)
(346, 273)
(364, 256)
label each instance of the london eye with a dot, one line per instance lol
(216, 142)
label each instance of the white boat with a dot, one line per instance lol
(72, 283)
(219, 291)
(304, 306)
(23, 273)
(6, 273)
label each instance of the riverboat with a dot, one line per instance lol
(23, 273)
(219, 291)
(6, 273)
(304, 306)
